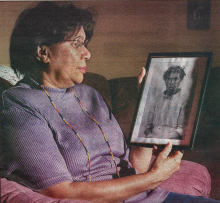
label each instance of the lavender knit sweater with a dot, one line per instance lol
(39, 150)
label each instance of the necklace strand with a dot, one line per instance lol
(83, 107)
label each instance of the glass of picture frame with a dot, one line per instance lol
(170, 99)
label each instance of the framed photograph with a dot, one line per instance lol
(170, 99)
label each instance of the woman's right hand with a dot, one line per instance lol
(166, 163)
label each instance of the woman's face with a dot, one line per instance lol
(67, 62)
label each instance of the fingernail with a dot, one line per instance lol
(169, 144)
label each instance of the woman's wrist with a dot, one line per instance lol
(140, 158)
(154, 179)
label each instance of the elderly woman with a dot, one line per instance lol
(59, 137)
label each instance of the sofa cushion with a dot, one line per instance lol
(191, 179)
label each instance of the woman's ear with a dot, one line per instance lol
(43, 54)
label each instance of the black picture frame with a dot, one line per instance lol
(170, 99)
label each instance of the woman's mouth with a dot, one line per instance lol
(83, 69)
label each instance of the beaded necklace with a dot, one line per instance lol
(83, 107)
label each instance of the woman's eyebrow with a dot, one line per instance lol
(77, 37)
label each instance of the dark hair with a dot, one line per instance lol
(45, 24)
(174, 69)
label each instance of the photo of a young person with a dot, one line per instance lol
(166, 116)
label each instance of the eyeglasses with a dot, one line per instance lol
(77, 43)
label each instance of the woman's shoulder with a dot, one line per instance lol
(19, 90)
(21, 94)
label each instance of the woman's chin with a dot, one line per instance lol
(78, 80)
(70, 82)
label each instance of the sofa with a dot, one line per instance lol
(121, 96)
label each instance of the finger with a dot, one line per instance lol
(155, 150)
(141, 75)
(168, 148)
(140, 78)
(178, 155)
(173, 153)
(155, 147)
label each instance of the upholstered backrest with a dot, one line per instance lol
(212, 95)
(124, 98)
(99, 83)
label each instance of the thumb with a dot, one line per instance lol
(141, 76)
(166, 151)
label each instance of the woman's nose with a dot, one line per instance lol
(86, 54)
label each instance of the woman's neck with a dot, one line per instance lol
(46, 80)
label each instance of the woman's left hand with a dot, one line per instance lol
(140, 77)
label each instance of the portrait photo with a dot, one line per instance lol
(171, 98)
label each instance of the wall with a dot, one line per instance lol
(127, 31)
